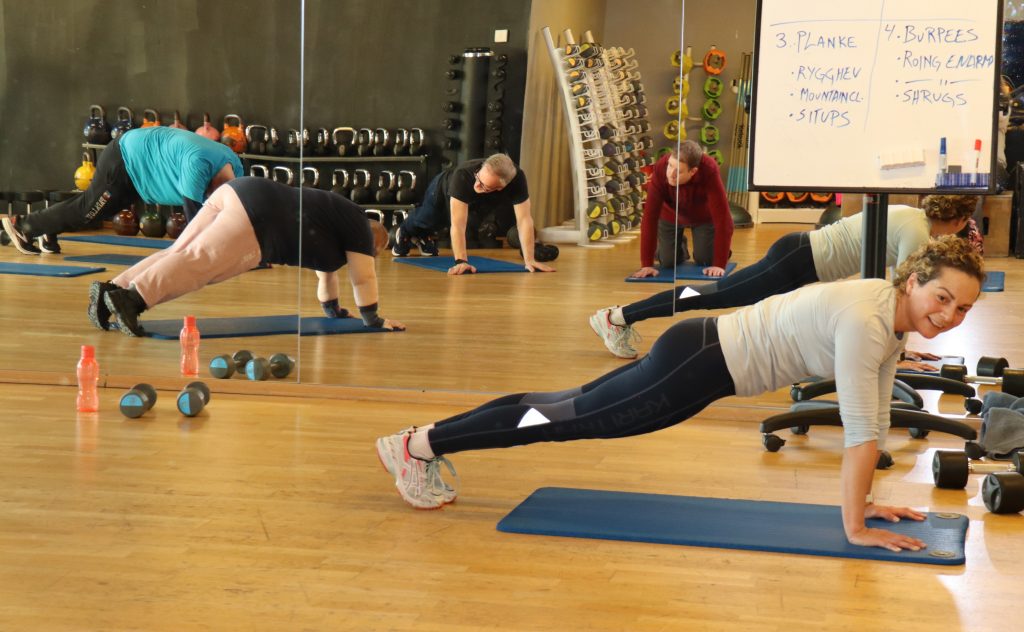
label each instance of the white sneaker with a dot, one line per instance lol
(419, 482)
(617, 338)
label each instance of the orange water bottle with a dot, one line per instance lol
(88, 375)
(189, 338)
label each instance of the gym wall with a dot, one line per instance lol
(369, 63)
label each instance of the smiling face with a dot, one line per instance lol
(938, 305)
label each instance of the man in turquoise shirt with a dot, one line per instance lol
(159, 165)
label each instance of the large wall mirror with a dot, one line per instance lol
(190, 57)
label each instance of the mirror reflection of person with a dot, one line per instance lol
(827, 254)
(159, 165)
(691, 181)
(246, 221)
(852, 330)
(492, 183)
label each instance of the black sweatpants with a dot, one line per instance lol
(787, 265)
(110, 191)
(683, 373)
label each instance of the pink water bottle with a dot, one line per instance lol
(88, 374)
(189, 338)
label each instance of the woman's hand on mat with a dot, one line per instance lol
(920, 355)
(538, 267)
(646, 271)
(892, 514)
(881, 538)
(911, 365)
(714, 271)
(461, 268)
(393, 325)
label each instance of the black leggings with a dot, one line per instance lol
(110, 191)
(683, 373)
(787, 265)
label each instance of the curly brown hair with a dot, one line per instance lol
(947, 207)
(928, 261)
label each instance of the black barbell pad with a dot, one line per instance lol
(992, 367)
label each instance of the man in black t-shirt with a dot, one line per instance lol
(244, 222)
(494, 183)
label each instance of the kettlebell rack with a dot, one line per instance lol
(606, 121)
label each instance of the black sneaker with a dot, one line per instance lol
(99, 314)
(402, 244)
(427, 246)
(49, 244)
(125, 306)
(17, 239)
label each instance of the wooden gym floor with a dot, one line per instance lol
(270, 510)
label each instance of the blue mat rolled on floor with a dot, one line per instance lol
(38, 269)
(287, 324)
(482, 264)
(994, 281)
(109, 259)
(723, 523)
(121, 240)
(688, 271)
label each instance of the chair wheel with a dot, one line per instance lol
(799, 430)
(918, 433)
(773, 443)
(973, 450)
(973, 405)
(884, 460)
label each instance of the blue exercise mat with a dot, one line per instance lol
(37, 269)
(687, 271)
(109, 259)
(993, 281)
(722, 523)
(258, 326)
(121, 240)
(482, 264)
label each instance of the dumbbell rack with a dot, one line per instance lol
(602, 96)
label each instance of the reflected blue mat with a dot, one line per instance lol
(37, 269)
(688, 271)
(993, 281)
(109, 259)
(722, 523)
(258, 326)
(482, 264)
(121, 240)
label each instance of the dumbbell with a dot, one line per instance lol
(138, 400)
(224, 366)
(1003, 492)
(990, 371)
(951, 469)
(193, 399)
(279, 366)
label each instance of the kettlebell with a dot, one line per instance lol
(96, 130)
(364, 142)
(381, 142)
(285, 172)
(343, 185)
(314, 173)
(321, 142)
(344, 141)
(293, 143)
(406, 194)
(416, 142)
(232, 135)
(122, 123)
(259, 171)
(361, 187)
(84, 174)
(150, 118)
(274, 145)
(126, 223)
(401, 145)
(386, 185)
(152, 224)
(207, 130)
(176, 223)
(256, 137)
(177, 121)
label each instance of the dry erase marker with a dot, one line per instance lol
(977, 155)
(942, 155)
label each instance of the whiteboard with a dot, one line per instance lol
(862, 96)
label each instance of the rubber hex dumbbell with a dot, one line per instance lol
(951, 469)
(224, 366)
(990, 371)
(279, 366)
(138, 400)
(193, 399)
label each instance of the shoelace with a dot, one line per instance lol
(628, 336)
(435, 483)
